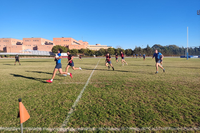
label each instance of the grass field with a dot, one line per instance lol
(130, 96)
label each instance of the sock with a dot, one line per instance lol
(51, 80)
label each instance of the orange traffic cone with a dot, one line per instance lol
(23, 114)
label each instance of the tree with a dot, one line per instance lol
(55, 49)
(148, 51)
(111, 51)
(74, 51)
(128, 52)
(102, 52)
(118, 50)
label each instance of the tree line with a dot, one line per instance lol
(170, 50)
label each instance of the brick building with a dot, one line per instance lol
(11, 45)
(40, 44)
(70, 43)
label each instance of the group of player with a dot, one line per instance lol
(158, 58)
(140, 55)
(58, 66)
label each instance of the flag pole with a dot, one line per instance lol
(21, 128)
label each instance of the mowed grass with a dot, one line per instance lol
(130, 96)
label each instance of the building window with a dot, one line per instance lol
(5, 40)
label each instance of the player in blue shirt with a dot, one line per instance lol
(58, 66)
(144, 56)
(158, 57)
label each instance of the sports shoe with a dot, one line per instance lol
(80, 68)
(156, 72)
(163, 70)
(113, 68)
(71, 75)
(127, 64)
(108, 67)
(49, 81)
(64, 74)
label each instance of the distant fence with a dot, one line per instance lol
(41, 53)
(191, 56)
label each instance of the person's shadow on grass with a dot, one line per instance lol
(140, 72)
(32, 78)
(40, 72)
(9, 64)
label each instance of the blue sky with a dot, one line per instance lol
(125, 23)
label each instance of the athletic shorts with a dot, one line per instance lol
(109, 62)
(71, 64)
(116, 58)
(58, 66)
(17, 60)
(158, 61)
(122, 57)
(144, 57)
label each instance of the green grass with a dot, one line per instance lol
(130, 96)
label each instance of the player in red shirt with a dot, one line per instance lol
(80, 57)
(123, 61)
(116, 56)
(108, 61)
(70, 63)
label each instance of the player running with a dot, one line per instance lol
(17, 59)
(116, 56)
(58, 66)
(123, 61)
(161, 61)
(158, 57)
(144, 56)
(108, 61)
(80, 57)
(70, 63)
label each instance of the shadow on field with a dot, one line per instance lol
(40, 72)
(22, 76)
(141, 72)
(9, 64)
(35, 61)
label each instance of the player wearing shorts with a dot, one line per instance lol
(58, 66)
(108, 61)
(80, 57)
(17, 59)
(161, 61)
(136, 56)
(70, 62)
(123, 61)
(144, 56)
(158, 57)
(116, 56)
(140, 56)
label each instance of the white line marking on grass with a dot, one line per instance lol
(78, 98)
(103, 129)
